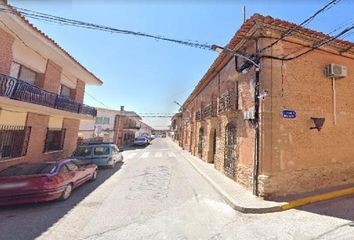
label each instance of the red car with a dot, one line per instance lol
(39, 182)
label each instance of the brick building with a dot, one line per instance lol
(41, 94)
(258, 127)
(120, 127)
(176, 123)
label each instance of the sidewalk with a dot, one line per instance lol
(242, 199)
(233, 193)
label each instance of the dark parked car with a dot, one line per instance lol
(39, 182)
(101, 154)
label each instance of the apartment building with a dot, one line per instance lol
(41, 94)
(120, 127)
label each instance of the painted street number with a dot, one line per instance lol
(289, 114)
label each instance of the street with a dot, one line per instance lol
(156, 194)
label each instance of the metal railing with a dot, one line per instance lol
(207, 110)
(13, 141)
(20, 90)
(131, 127)
(228, 102)
(7, 85)
(54, 140)
(198, 116)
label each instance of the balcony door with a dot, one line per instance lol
(23, 73)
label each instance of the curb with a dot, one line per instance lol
(227, 197)
(317, 198)
(286, 206)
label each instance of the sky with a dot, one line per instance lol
(146, 75)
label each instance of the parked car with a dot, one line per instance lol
(39, 182)
(141, 141)
(101, 154)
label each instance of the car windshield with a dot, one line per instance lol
(140, 139)
(28, 169)
(101, 150)
(83, 151)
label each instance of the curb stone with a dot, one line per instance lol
(282, 207)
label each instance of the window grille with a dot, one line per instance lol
(55, 139)
(230, 149)
(13, 141)
(201, 141)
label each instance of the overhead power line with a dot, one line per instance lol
(306, 21)
(76, 23)
(316, 46)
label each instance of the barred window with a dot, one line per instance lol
(55, 139)
(13, 141)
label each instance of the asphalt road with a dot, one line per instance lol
(156, 194)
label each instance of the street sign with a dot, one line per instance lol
(289, 114)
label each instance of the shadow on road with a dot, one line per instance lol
(134, 147)
(31, 220)
(339, 208)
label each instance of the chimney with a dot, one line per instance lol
(122, 108)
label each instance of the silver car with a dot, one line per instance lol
(101, 154)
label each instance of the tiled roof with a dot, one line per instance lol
(240, 35)
(26, 22)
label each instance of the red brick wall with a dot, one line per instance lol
(39, 124)
(35, 148)
(71, 136)
(6, 41)
(78, 93)
(118, 131)
(51, 79)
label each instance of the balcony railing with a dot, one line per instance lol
(198, 116)
(207, 110)
(19, 90)
(228, 102)
(131, 127)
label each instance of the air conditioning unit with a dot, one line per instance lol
(336, 71)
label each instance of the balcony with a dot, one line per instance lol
(131, 127)
(22, 91)
(228, 102)
(198, 116)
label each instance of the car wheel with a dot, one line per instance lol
(67, 192)
(94, 176)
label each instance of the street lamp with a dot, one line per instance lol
(219, 49)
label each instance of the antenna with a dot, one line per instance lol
(244, 13)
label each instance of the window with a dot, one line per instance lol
(55, 139)
(105, 120)
(71, 166)
(64, 169)
(83, 151)
(99, 120)
(23, 73)
(201, 141)
(29, 169)
(102, 120)
(230, 149)
(65, 91)
(13, 141)
(101, 150)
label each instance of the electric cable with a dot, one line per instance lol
(306, 21)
